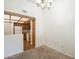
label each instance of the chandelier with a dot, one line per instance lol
(44, 3)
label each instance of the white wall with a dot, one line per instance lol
(13, 44)
(32, 10)
(59, 24)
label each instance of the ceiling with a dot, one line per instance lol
(14, 18)
(32, 1)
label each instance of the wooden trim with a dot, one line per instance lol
(19, 19)
(8, 22)
(13, 20)
(10, 17)
(33, 32)
(13, 28)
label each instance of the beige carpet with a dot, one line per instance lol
(42, 52)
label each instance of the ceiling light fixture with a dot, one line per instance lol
(44, 3)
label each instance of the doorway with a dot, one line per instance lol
(29, 34)
(27, 24)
